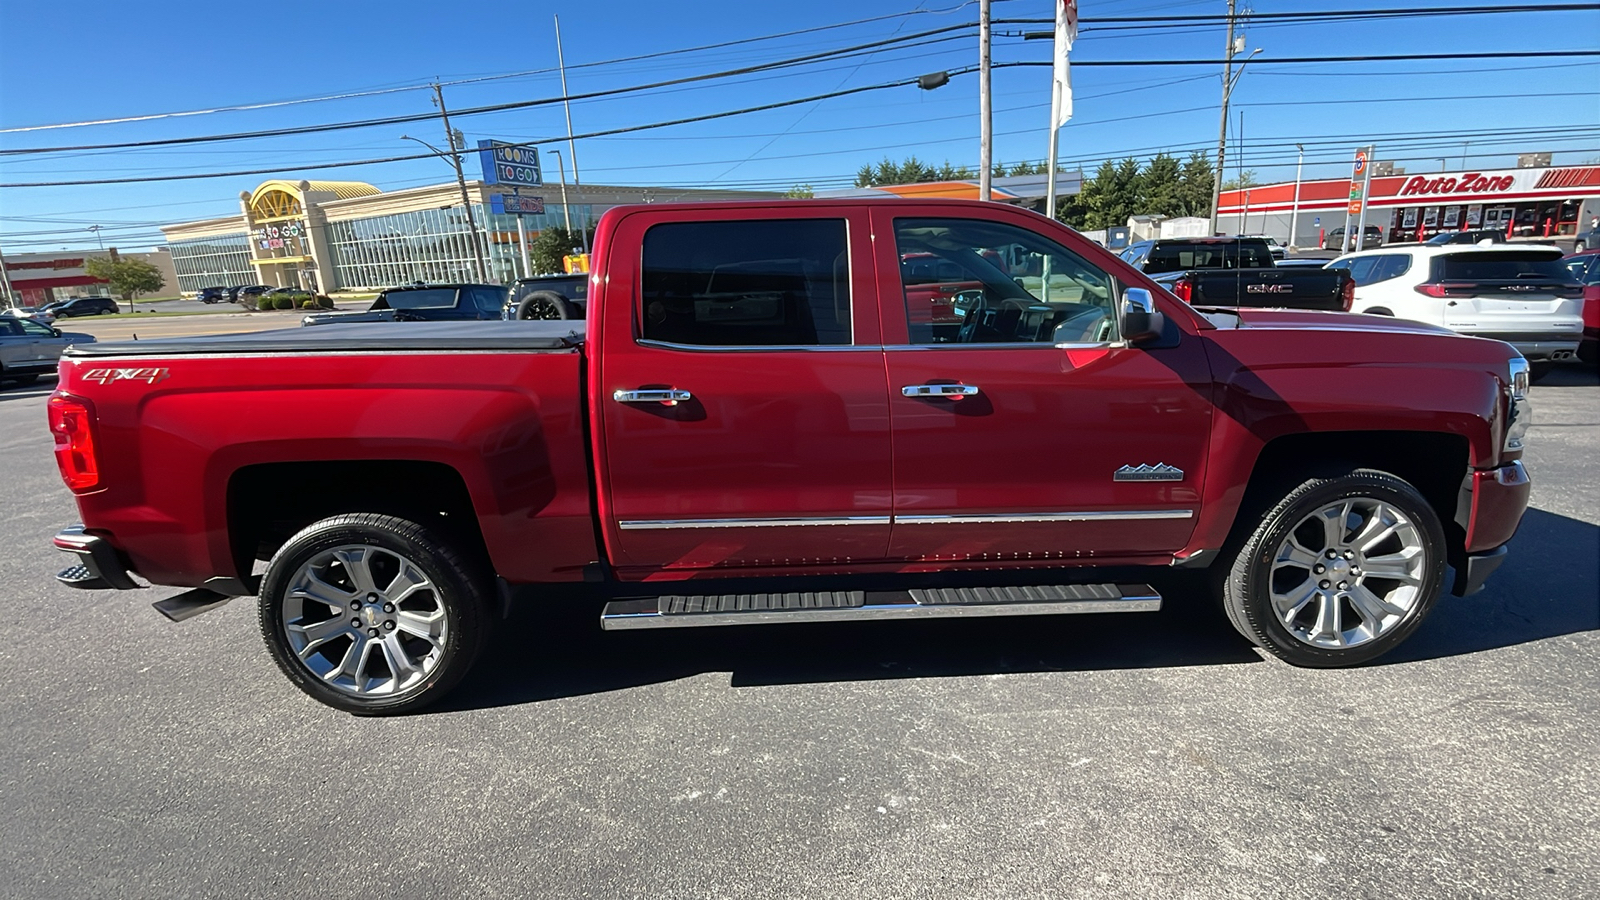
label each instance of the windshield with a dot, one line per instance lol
(428, 298)
(1531, 264)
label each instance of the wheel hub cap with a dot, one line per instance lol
(1348, 573)
(365, 620)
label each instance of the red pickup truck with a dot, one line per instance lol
(754, 425)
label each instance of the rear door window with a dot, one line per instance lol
(427, 298)
(754, 283)
(1373, 269)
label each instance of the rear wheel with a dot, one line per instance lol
(546, 305)
(372, 614)
(1339, 572)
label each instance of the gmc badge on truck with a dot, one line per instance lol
(1157, 472)
(1269, 289)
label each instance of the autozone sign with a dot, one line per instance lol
(1469, 183)
(1502, 182)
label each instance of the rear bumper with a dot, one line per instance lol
(1534, 345)
(99, 566)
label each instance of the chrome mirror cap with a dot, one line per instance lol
(1141, 320)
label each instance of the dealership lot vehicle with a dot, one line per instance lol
(1279, 251)
(1585, 267)
(1240, 271)
(751, 399)
(1516, 293)
(425, 303)
(548, 297)
(1473, 236)
(1371, 237)
(85, 306)
(29, 348)
(212, 294)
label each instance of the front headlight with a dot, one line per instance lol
(1521, 410)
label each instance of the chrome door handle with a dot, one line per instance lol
(939, 390)
(661, 395)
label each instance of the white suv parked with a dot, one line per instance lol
(1517, 293)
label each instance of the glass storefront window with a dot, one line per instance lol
(222, 261)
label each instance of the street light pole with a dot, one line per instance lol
(572, 145)
(1294, 216)
(985, 107)
(566, 209)
(454, 158)
(97, 238)
(5, 281)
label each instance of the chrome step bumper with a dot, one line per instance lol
(692, 610)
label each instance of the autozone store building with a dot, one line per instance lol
(1529, 203)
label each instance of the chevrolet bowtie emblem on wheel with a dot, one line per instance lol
(1157, 472)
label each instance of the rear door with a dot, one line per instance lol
(1034, 433)
(16, 348)
(741, 392)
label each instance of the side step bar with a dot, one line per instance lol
(682, 611)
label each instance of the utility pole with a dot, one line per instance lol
(572, 146)
(1222, 130)
(566, 208)
(985, 107)
(461, 182)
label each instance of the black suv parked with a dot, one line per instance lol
(212, 294)
(86, 306)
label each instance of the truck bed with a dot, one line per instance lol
(358, 337)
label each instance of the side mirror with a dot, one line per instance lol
(1141, 321)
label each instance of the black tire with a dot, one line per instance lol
(1245, 580)
(459, 591)
(105, 312)
(1538, 370)
(547, 305)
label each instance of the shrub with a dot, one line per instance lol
(324, 301)
(283, 301)
(308, 304)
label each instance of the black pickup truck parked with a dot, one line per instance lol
(424, 303)
(1238, 272)
(548, 297)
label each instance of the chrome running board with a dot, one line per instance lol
(686, 610)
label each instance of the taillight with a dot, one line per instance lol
(1432, 290)
(1183, 288)
(72, 424)
(1347, 294)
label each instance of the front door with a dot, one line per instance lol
(1034, 433)
(742, 394)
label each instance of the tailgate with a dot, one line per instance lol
(1320, 289)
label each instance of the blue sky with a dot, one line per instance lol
(113, 60)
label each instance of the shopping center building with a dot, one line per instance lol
(1538, 202)
(349, 235)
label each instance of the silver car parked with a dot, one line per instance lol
(29, 349)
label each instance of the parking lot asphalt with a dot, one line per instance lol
(1136, 756)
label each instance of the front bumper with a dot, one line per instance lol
(1488, 510)
(99, 565)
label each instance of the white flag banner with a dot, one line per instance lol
(1061, 89)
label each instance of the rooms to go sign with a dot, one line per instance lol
(509, 163)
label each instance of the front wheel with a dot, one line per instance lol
(1339, 572)
(372, 614)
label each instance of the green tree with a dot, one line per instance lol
(800, 192)
(1162, 185)
(1246, 179)
(550, 246)
(1028, 168)
(910, 171)
(1194, 194)
(128, 277)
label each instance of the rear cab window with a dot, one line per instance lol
(1178, 256)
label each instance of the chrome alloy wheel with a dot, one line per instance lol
(1348, 573)
(365, 620)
